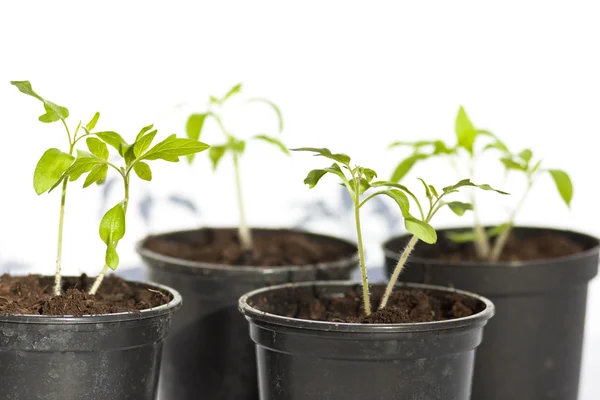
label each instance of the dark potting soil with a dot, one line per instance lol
(270, 248)
(33, 295)
(404, 305)
(545, 246)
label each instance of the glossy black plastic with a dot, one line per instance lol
(100, 357)
(304, 360)
(533, 344)
(209, 354)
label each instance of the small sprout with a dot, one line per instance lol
(360, 180)
(467, 139)
(57, 167)
(50, 170)
(233, 145)
(134, 157)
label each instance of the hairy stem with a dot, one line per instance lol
(105, 268)
(244, 231)
(98, 280)
(399, 267)
(361, 255)
(61, 219)
(501, 240)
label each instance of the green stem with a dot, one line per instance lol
(482, 242)
(361, 253)
(399, 267)
(244, 231)
(61, 219)
(501, 240)
(105, 268)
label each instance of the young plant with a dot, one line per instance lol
(233, 145)
(359, 180)
(466, 151)
(133, 159)
(50, 170)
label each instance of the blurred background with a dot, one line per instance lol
(350, 76)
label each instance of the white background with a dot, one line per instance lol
(347, 75)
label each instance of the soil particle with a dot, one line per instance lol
(404, 305)
(545, 246)
(271, 248)
(32, 295)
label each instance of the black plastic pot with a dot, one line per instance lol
(209, 355)
(100, 357)
(301, 359)
(533, 345)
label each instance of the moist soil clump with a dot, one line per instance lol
(545, 246)
(271, 248)
(404, 305)
(33, 295)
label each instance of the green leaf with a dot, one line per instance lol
(194, 125)
(526, 155)
(273, 141)
(339, 157)
(115, 140)
(511, 164)
(215, 153)
(459, 208)
(143, 131)
(234, 90)
(84, 163)
(467, 182)
(426, 186)
(92, 124)
(495, 144)
(112, 225)
(420, 229)
(416, 145)
(142, 170)
(50, 169)
(462, 236)
(394, 185)
(471, 235)
(563, 185)
(535, 167)
(173, 147)
(53, 113)
(399, 197)
(112, 258)
(315, 175)
(465, 131)
(235, 145)
(97, 147)
(274, 107)
(143, 143)
(363, 185)
(97, 174)
(368, 173)
(406, 165)
(433, 191)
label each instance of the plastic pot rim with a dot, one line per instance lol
(235, 270)
(499, 264)
(174, 304)
(252, 313)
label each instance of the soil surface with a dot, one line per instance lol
(33, 295)
(271, 248)
(404, 305)
(519, 247)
